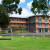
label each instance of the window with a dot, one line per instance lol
(39, 19)
(22, 24)
(21, 19)
(12, 19)
(12, 24)
(31, 26)
(31, 20)
(26, 19)
(46, 19)
(34, 29)
(45, 24)
(46, 30)
(39, 25)
(34, 19)
(39, 30)
(17, 19)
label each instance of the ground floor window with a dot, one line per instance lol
(46, 30)
(39, 30)
(34, 29)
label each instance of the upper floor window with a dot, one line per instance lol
(21, 19)
(31, 20)
(26, 19)
(39, 25)
(12, 19)
(46, 19)
(17, 19)
(34, 19)
(39, 19)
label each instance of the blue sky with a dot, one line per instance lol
(26, 6)
(26, 9)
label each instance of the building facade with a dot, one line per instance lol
(18, 22)
(36, 24)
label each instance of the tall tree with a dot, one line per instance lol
(39, 6)
(8, 6)
(12, 5)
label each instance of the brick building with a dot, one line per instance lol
(34, 24)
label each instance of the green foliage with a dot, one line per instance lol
(2, 32)
(19, 27)
(45, 16)
(39, 6)
(7, 7)
(12, 7)
(10, 1)
(4, 18)
(24, 31)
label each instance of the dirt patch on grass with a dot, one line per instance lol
(12, 47)
(0, 48)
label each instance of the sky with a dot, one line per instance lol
(26, 6)
(26, 9)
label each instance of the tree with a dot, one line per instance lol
(12, 5)
(39, 6)
(4, 18)
(8, 6)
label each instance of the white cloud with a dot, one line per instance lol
(48, 13)
(0, 1)
(22, 1)
(29, 4)
(25, 13)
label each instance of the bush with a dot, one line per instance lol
(2, 32)
(20, 31)
(25, 31)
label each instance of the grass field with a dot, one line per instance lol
(26, 43)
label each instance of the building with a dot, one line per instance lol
(18, 22)
(36, 24)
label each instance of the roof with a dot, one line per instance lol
(18, 17)
(26, 17)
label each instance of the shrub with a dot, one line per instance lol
(2, 32)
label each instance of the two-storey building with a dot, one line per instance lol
(36, 24)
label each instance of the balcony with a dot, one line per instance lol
(39, 27)
(46, 26)
(42, 27)
(39, 21)
(47, 22)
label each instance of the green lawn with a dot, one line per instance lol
(26, 43)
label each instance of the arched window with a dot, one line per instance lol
(45, 19)
(39, 19)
